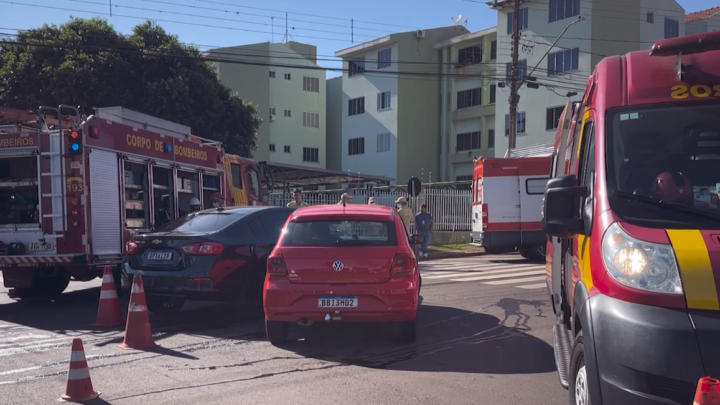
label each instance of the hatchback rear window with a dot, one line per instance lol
(340, 233)
(203, 222)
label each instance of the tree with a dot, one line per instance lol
(86, 62)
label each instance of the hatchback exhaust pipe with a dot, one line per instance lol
(305, 322)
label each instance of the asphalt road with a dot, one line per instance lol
(484, 338)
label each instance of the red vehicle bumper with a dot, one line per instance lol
(393, 301)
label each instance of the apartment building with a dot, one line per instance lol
(608, 29)
(333, 119)
(703, 21)
(390, 106)
(290, 100)
(468, 91)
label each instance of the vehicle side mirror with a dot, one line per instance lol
(417, 239)
(561, 211)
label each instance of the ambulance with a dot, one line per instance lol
(74, 189)
(632, 214)
(507, 196)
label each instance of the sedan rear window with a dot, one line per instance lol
(202, 222)
(340, 233)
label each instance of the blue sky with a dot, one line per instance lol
(216, 23)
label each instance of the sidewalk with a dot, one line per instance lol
(452, 251)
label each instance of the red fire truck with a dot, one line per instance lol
(74, 189)
(632, 211)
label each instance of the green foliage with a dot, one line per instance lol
(86, 62)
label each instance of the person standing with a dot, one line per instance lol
(297, 201)
(371, 201)
(345, 199)
(406, 214)
(424, 227)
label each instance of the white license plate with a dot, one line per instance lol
(338, 302)
(41, 247)
(160, 255)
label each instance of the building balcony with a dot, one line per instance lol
(473, 112)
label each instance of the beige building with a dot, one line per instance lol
(290, 100)
(702, 21)
(390, 115)
(467, 113)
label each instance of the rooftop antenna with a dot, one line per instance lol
(465, 22)
(457, 19)
(272, 30)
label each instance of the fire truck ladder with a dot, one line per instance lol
(55, 154)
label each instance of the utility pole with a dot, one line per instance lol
(514, 73)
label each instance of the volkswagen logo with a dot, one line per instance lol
(337, 266)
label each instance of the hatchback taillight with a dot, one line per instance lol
(131, 248)
(276, 266)
(403, 265)
(202, 249)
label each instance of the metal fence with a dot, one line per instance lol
(450, 208)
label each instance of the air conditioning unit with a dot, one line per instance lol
(272, 117)
(420, 34)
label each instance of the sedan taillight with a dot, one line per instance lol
(131, 248)
(276, 266)
(403, 265)
(203, 249)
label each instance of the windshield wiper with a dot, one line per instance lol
(666, 204)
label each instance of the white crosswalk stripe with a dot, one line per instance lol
(499, 270)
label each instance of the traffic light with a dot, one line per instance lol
(75, 145)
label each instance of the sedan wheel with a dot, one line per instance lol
(165, 305)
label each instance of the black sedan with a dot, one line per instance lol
(211, 255)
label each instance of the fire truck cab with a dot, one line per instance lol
(75, 189)
(633, 219)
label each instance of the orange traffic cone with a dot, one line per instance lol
(108, 315)
(708, 392)
(79, 386)
(137, 330)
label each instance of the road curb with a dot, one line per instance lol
(449, 255)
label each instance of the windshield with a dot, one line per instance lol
(664, 165)
(201, 222)
(340, 233)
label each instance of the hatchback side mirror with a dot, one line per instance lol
(417, 239)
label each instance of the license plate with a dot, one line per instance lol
(41, 247)
(337, 302)
(160, 255)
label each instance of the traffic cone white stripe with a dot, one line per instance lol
(108, 278)
(79, 374)
(136, 308)
(77, 356)
(137, 289)
(108, 294)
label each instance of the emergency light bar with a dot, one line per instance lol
(687, 45)
(75, 142)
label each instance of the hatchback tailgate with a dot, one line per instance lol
(339, 265)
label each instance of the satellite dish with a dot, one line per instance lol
(458, 18)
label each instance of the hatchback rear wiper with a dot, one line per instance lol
(353, 242)
(666, 204)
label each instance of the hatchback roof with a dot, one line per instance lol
(335, 210)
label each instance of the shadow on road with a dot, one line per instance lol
(449, 340)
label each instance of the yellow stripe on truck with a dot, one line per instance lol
(696, 270)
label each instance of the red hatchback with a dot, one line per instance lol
(336, 263)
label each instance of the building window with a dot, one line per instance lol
(563, 61)
(272, 147)
(522, 69)
(491, 138)
(493, 50)
(469, 98)
(287, 113)
(552, 118)
(356, 106)
(562, 9)
(493, 93)
(383, 142)
(383, 100)
(286, 148)
(311, 84)
(520, 129)
(287, 76)
(272, 74)
(311, 120)
(272, 113)
(651, 17)
(311, 155)
(672, 28)
(356, 66)
(356, 146)
(470, 56)
(466, 177)
(467, 141)
(523, 20)
(384, 58)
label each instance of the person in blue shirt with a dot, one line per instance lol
(424, 226)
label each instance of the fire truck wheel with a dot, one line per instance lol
(165, 306)
(536, 253)
(579, 383)
(51, 285)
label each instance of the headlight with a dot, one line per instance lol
(638, 264)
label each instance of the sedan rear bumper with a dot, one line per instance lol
(393, 301)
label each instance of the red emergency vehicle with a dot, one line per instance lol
(632, 212)
(74, 190)
(507, 196)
